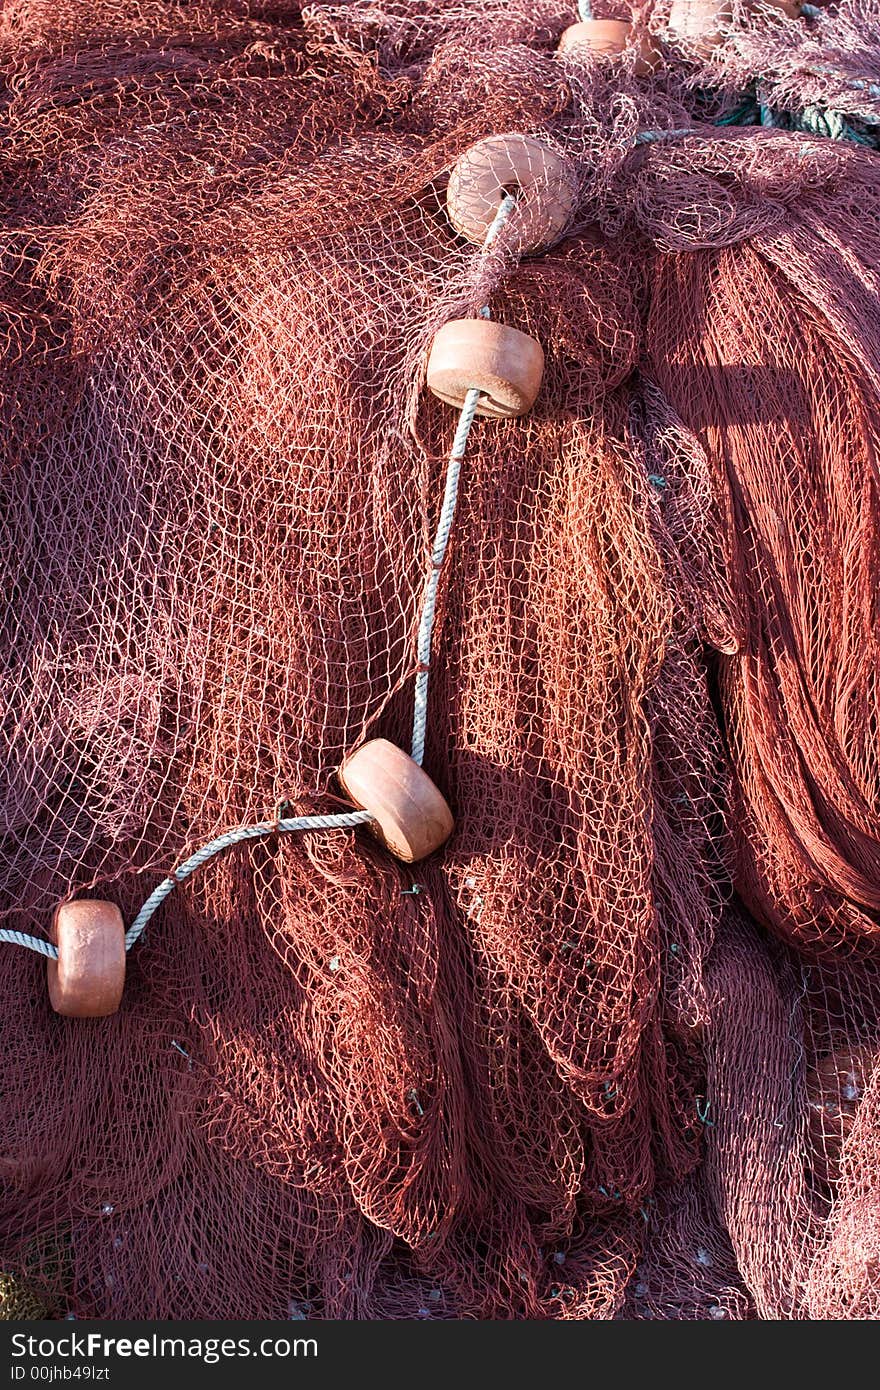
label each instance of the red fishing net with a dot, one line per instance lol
(549, 1072)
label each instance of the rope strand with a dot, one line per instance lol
(344, 821)
(444, 528)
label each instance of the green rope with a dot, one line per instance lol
(813, 119)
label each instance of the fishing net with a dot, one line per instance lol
(529, 1076)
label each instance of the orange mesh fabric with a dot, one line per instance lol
(478, 1087)
(770, 354)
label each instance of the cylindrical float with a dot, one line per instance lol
(516, 164)
(505, 365)
(88, 977)
(609, 38)
(702, 22)
(411, 817)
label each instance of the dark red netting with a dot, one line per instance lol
(613, 1052)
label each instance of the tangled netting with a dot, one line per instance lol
(612, 1053)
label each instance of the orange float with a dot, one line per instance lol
(509, 164)
(701, 22)
(411, 817)
(609, 38)
(88, 977)
(505, 365)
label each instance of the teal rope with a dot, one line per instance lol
(747, 113)
(830, 124)
(30, 943)
(345, 821)
(815, 120)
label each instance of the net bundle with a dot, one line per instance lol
(612, 1052)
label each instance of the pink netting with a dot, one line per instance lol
(832, 62)
(564, 1078)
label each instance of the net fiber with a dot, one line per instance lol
(555, 1071)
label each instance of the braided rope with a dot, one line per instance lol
(31, 943)
(821, 121)
(813, 119)
(438, 554)
(344, 821)
(444, 528)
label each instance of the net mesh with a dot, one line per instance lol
(529, 1077)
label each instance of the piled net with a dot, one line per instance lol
(554, 1071)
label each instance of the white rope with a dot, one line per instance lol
(444, 528)
(438, 554)
(31, 943)
(344, 821)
